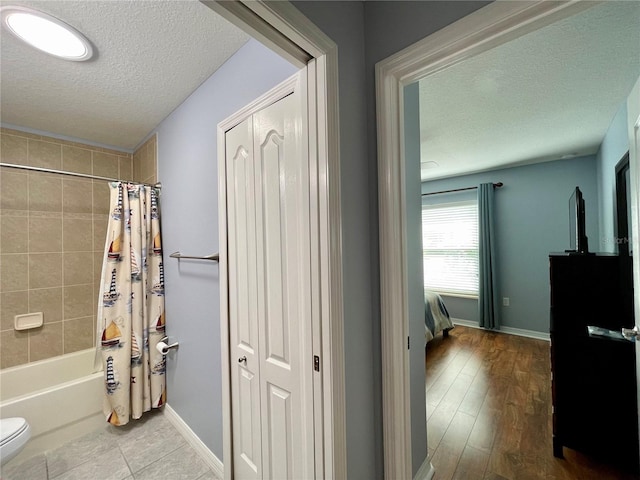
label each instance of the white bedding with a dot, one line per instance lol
(436, 317)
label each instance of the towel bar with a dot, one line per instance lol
(214, 256)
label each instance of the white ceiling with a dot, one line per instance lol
(547, 94)
(151, 56)
(550, 93)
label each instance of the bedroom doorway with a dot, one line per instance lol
(450, 46)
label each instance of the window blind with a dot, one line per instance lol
(450, 247)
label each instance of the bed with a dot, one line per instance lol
(436, 316)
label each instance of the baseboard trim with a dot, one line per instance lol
(192, 439)
(426, 471)
(509, 330)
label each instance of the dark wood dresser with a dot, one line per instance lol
(593, 378)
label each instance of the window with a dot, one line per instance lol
(450, 247)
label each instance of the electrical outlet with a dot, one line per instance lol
(505, 301)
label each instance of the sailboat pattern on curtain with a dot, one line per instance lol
(131, 319)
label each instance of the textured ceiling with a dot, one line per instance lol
(550, 93)
(151, 56)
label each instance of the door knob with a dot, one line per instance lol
(631, 333)
(243, 359)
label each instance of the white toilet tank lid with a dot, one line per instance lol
(10, 427)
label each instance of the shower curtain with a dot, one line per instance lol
(131, 318)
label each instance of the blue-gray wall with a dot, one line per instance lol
(188, 170)
(367, 32)
(415, 289)
(612, 149)
(343, 22)
(532, 220)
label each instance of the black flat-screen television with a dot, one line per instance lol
(578, 241)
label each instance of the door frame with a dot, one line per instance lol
(484, 29)
(633, 134)
(296, 83)
(623, 201)
(282, 27)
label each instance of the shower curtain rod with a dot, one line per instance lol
(495, 185)
(73, 174)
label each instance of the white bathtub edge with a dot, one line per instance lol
(49, 410)
(98, 376)
(61, 399)
(210, 458)
(53, 439)
(34, 377)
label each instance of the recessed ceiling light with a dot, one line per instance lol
(46, 33)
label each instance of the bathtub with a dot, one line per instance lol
(61, 398)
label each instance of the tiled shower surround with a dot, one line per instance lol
(52, 235)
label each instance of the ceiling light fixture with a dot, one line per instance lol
(46, 33)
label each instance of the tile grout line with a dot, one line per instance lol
(125, 460)
(28, 256)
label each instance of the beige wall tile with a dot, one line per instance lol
(13, 234)
(111, 151)
(32, 204)
(99, 232)
(20, 133)
(105, 165)
(137, 165)
(45, 342)
(101, 194)
(77, 234)
(78, 334)
(13, 190)
(13, 149)
(48, 301)
(96, 296)
(98, 259)
(14, 348)
(126, 168)
(72, 144)
(153, 149)
(12, 304)
(145, 161)
(45, 193)
(45, 154)
(14, 272)
(78, 268)
(148, 163)
(45, 270)
(77, 160)
(45, 234)
(77, 196)
(78, 301)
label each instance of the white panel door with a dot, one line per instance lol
(270, 294)
(243, 302)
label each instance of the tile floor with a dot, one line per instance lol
(148, 449)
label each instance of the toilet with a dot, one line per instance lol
(14, 435)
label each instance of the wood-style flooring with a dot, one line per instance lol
(489, 411)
